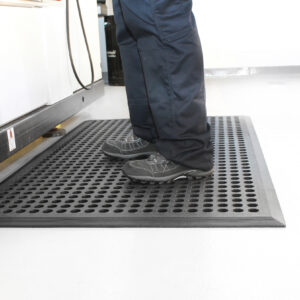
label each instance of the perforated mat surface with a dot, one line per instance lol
(73, 184)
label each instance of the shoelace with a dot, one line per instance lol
(157, 158)
(132, 138)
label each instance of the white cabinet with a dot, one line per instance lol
(23, 79)
(34, 63)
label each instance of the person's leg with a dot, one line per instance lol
(140, 143)
(140, 114)
(172, 65)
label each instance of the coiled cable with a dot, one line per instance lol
(86, 44)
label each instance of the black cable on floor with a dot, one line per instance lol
(86, 44)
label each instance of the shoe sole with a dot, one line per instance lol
(127, 156)
(192, 174)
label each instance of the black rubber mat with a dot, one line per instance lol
(73, 184)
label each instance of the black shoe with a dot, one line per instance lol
(131, 147)
(156, 168)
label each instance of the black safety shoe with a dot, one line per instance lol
(157, 168)
(131, 147)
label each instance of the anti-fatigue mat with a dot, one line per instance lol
(72, 184)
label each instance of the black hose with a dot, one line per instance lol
(86, 44)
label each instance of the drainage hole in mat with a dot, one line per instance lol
(121, 205)
(222, 200)
(106, 205)
(164, 205)
(179, 200)
(194, 200)
(149, 205)
(137, 200)
(25, 206)
(153, 200)
(79, 206)
(251, 200)
(237, 200)
(92, 206)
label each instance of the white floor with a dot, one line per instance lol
(136, 264)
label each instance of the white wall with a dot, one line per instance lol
(247, 33)
(237, 33)
(34, 64)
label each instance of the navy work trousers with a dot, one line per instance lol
(163, 69)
